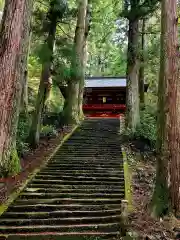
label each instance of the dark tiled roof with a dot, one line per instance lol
(91, 82)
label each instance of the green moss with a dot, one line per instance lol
(69, 118)
(128, 180)
(160, 202)
(3, 208)
(14, 166)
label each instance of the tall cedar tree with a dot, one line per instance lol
(132, 94)
(142, 62)
(168, 125)
(71, 113)
(134, 11)
(56, 12)
(84, 61)
(14, 35)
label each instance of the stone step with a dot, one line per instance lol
(87, 153)
(89, 146)
(78, 178)
(77, 188)
(59, 221)
(69, 200)
(85, 171)
(85, 160)
(62, 236)
(82, 173)
(85, 163)
(33, 195)
(42, 207)
(50, 189)
(61, 214)
(86, 168)
(75, 182)
(109, 228)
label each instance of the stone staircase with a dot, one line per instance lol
(78, 193)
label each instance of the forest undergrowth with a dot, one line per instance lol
(141, 224)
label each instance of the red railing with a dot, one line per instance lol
(104, 107)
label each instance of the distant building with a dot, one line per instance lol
(105, 95)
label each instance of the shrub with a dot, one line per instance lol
(48, 131)
(146, 130)
(53, 119)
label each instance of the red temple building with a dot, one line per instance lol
(104, 96)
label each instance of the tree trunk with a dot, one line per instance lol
(24, 95)
(141, 69)
(84, 62)
(168, 125)
(172, 104)
(70, 111)
(45, 84)
(132, 95)
(76, 67)
(13, 37)
(81, 83)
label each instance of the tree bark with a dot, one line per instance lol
(45, 82)
(81, 83)
(15, 24)
(132, 95)
(84, 62)
(71, 110)
(142, 62)
(168, 125)
(24, 95)
(173, 106)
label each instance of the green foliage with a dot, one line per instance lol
(44, 53)
(146, 130)
(55, 100)
(22, 134)
(15, 166)
(48, 131)
(1, 5)
(107, 45)
(147, 127)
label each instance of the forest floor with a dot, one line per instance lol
(140, 221)
(31, 161)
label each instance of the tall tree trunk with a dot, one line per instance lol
(132, 95)
(45, 82)
(13, 38)
(84, 62)
(71, 113)
(172, 104)
(141, 69)
(81, 83)
(24, 95)
(168, 125)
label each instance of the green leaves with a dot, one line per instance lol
(44, 53)
(138, 9)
